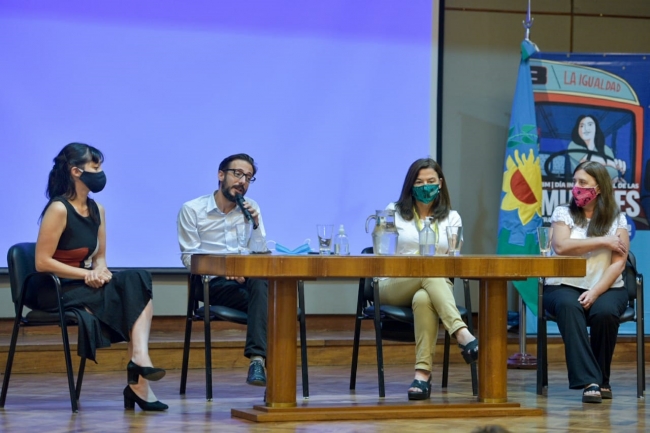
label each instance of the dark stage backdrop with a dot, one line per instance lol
(334, 99)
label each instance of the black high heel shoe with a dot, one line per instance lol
(131, 398)
(423, 387)
(133, 370)
(470, 351)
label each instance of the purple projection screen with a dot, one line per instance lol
(333, 99)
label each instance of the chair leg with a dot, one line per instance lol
(68, 359)
(640, 334)
(545, 360)
(189, 316)
(12, 351)
(542, 366)
(80, 376)
(355, 352)
(470, 328)
(542, 374)
(642, 358)
(378, 343)
(208, 338)
(640, 361)
(474, 373)
(639, 365)
(380, 360)
(445, 360)
(303, 341)
(539, 358)
(186, 353)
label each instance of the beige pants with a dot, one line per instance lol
(432, 299)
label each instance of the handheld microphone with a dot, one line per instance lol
(239, 199)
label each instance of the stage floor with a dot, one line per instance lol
(38, 402)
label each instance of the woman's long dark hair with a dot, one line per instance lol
(599, 136)
(441, 204)
(606, 210)
(60, 182)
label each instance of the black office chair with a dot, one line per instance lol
(396, 324)
(633, 281)
(25, 282)
(219, 312)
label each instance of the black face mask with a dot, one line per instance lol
(94, 181)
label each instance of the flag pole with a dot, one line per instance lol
(528, 23)
(523, 360)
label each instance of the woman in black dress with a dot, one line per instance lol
(72, 245)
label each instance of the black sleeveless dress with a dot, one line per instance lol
(115, 307)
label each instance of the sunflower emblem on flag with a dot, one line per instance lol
(522, 185)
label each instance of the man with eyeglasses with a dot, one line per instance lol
(208, 224)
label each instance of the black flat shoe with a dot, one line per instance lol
(424, 389)
(470, 351)
(133, 370)
(131, 398)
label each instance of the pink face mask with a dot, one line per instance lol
(583, 196)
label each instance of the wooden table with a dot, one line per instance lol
(283, 273)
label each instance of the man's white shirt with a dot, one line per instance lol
(202, 227)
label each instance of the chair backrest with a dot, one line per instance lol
(629, 278)
(21, 263)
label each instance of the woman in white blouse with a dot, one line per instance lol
(590, 226)
(424, 194)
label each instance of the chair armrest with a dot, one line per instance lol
(39, 281)
(53, 278)
(44, 279)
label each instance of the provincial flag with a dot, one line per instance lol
(521, 195)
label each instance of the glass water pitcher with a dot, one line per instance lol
(384, 235)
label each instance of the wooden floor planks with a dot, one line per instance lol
(38, 402)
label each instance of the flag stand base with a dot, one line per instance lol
(522, 360)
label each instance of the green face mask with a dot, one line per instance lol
(426, 193)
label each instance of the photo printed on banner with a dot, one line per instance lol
(593, 107)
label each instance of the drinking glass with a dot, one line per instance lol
(258, 245)
(325, 237)
(544, 236)
(454, 239)
(243, 236)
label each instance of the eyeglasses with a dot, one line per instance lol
(239, 174)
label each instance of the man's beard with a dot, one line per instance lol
(225, 190)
